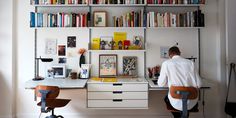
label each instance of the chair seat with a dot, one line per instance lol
(55, 103)
(171, 109)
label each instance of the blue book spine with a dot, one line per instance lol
(36, 2)
(41, 19)
(32, 19)
(144, 19)
(38, 20)
(51, 20)
(195, 1)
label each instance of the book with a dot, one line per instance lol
(119, 36)
(32, 19)
(95, 44)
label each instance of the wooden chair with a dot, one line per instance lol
(49, 99)
(184, 93)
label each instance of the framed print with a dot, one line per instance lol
(61, 50)
(99, 18)
(59, 71)
(130, 66)
(71, 41)
(107, 65)
(106, 43)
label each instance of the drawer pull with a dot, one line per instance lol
(119, 84)
(117, 92)
(117, 100)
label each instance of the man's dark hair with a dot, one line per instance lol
(174, 50)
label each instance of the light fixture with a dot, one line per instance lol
(36, 76)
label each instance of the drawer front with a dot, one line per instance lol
(117, 95)
(117, 103)
(117, 87)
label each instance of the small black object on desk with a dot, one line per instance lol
(36, 76)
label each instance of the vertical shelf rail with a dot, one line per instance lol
(35, 45)
(145, 38)
(199, 47)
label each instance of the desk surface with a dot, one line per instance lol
(205, 85)
(61, 83)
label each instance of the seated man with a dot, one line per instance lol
(178, 71)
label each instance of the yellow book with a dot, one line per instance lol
(95, 43)
(54, 1)
(119, 36)
(96, 79)
(109, 79)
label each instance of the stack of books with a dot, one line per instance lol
(188, 19)
(119, 2)
(59, 19)
(175, 1)
(131, 19)
(54, 2)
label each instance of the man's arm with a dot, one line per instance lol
(163, 79)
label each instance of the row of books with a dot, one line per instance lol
(53, 2)
(175, 1)
(131, 19)
(188, 19)
(59, 19)
(119, 2)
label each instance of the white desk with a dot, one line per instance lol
(61, 83)
(205, 85)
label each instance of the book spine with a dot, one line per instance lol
(32, 19)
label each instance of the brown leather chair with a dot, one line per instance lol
(184, 93)
(49, 99)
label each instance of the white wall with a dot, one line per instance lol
(26, 107)
(6, 61)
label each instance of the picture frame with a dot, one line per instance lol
(107, 65)
(61, 50)
(106, 43)
(130, 67)
(99, 18)
(59, 71)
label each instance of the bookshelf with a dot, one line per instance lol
(94, 31)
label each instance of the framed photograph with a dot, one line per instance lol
(61, 60)
(59, 71)
(51, 46)
(99, 18)
(107, 65)
(106, 43)
(61, 50)
(49, 73)
(71, 41)
(130, 66)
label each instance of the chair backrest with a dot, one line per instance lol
(175, 92)
(54, 91)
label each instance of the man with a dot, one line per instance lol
(178, 71)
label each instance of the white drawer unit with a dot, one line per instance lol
(126, 94)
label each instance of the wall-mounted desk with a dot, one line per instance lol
(61, 83)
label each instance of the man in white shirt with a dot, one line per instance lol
(178, 71)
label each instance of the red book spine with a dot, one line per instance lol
(63, 20)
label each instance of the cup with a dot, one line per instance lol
(73, 75)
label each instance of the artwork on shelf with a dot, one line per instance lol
(119, 38)
(59, 71)
(107, 65)
(61, 60)
(137, 42)
(100, 18)
(61, 50)
(71, 41)
(84, 72)
(49, 73)
(106, 43)
(130, 66)
(126, 44)
(51, 46)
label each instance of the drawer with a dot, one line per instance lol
(117, 87)
(118, 103)
(117, 95)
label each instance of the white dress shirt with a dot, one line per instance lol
(179, 72)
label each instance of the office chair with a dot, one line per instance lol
(49, 99)
(184, 93)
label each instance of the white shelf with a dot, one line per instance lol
(63, 5)
(112, 28)
(116, 51)
(174, 5)
(153, 28)
(117, 5)
(82, 28)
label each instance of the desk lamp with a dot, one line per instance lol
(36, 76)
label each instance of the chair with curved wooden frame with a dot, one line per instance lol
(49, 99)
(184, 93)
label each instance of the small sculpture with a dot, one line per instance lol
(120, 45)
(102, 45)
